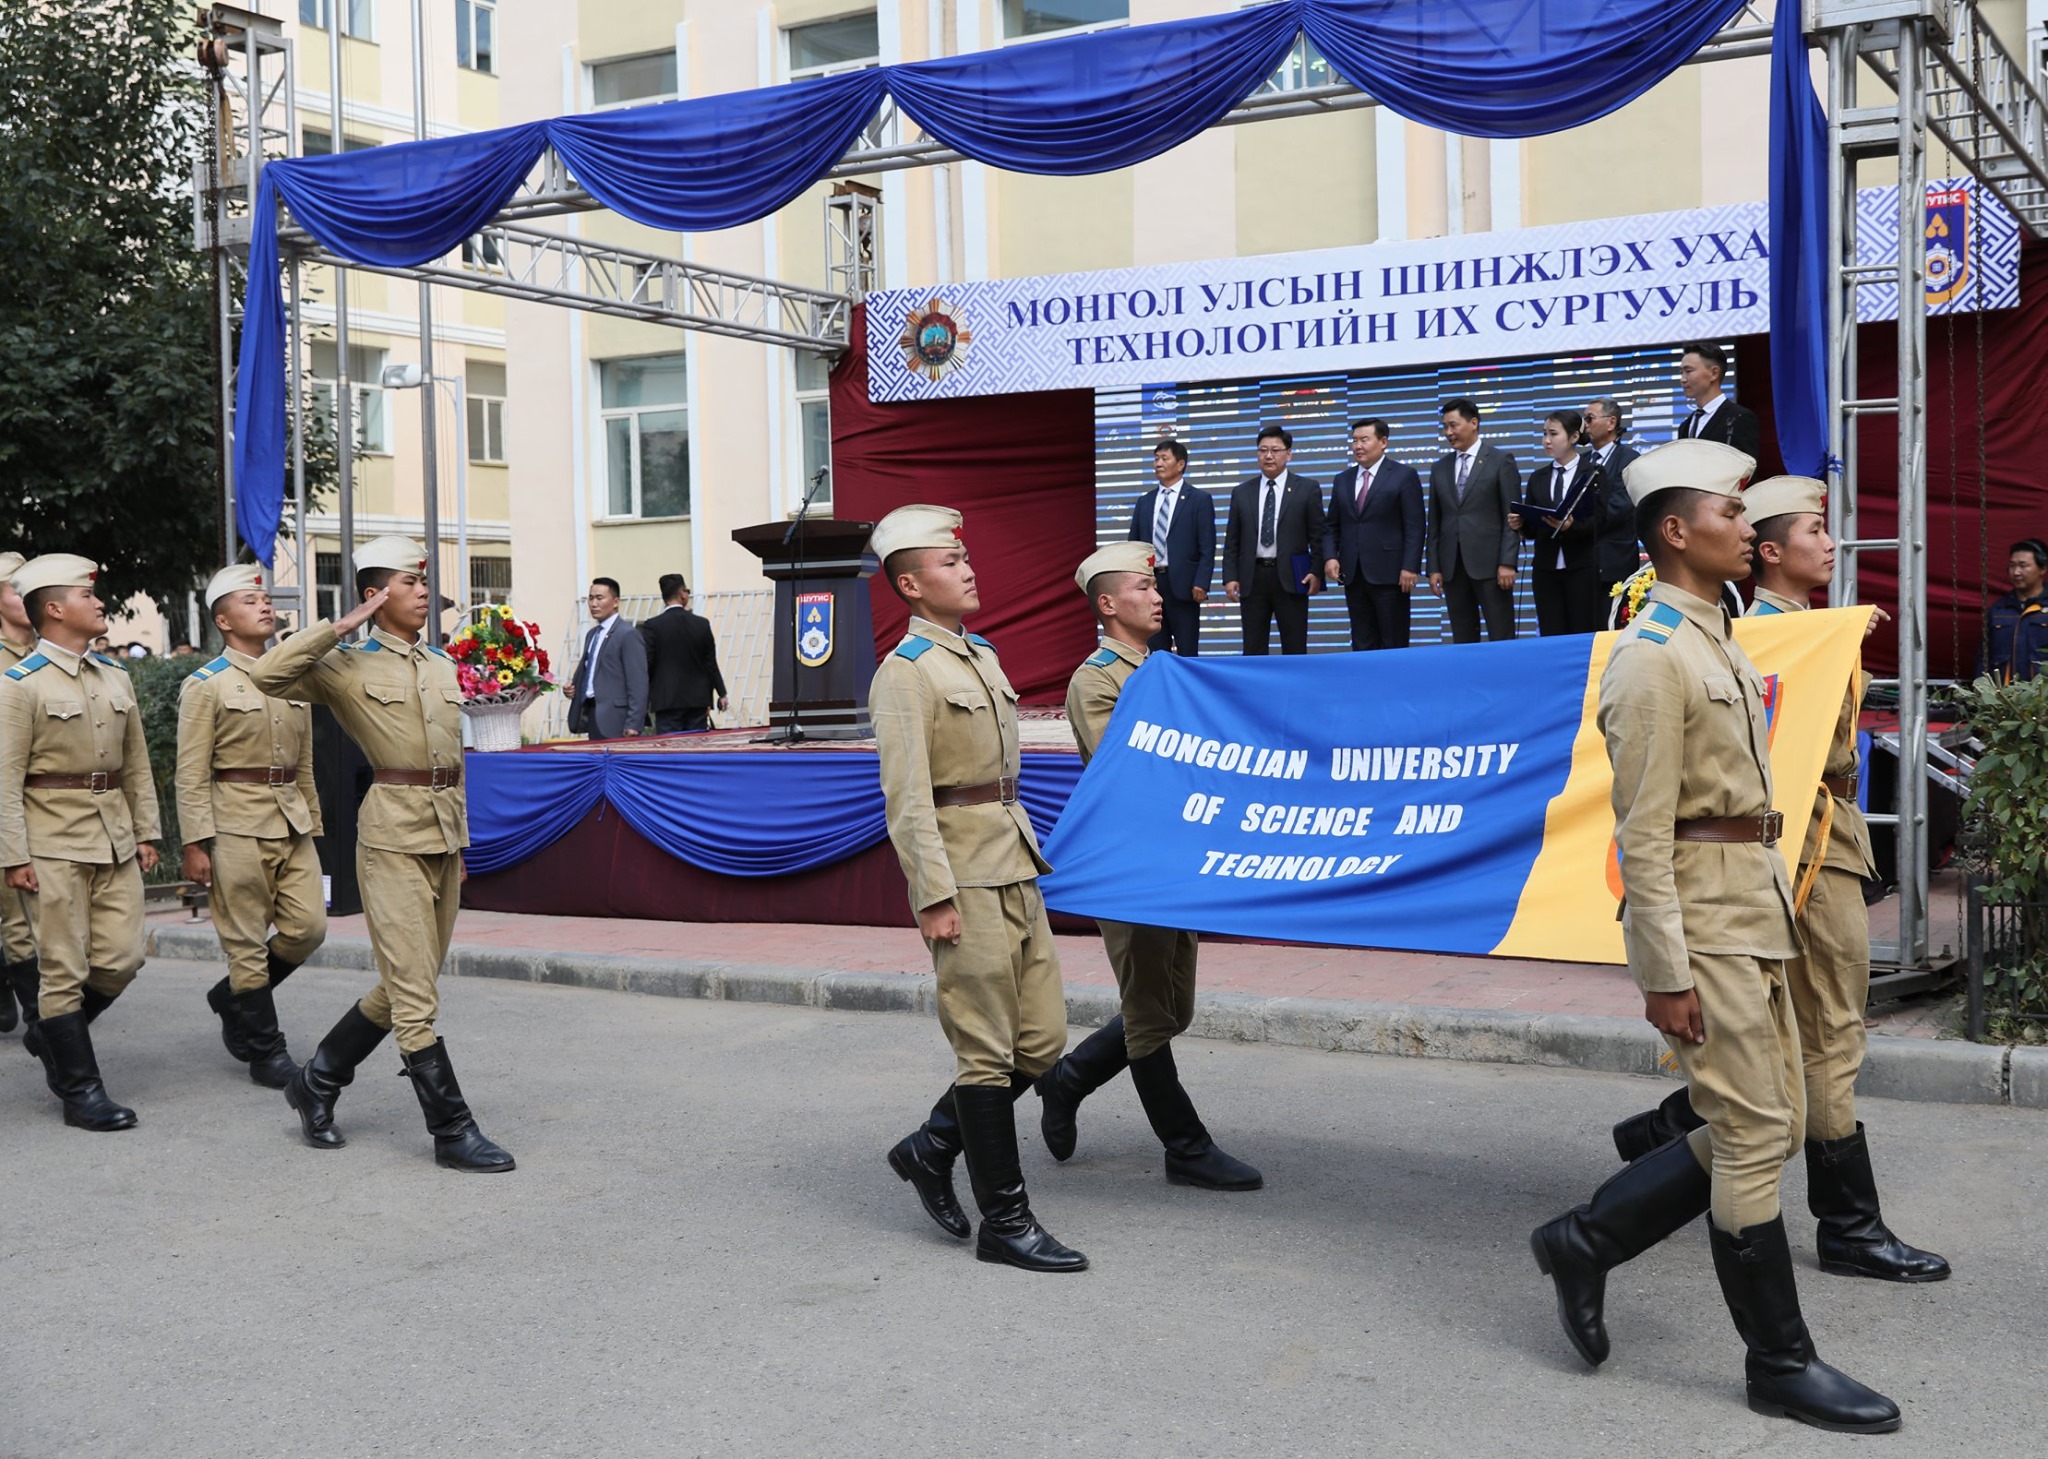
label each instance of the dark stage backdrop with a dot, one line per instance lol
(1021, 469)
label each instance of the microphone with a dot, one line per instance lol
(810, 493)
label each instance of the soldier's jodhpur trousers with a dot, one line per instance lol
(409, 902)
(1000, 999)
(88, 929)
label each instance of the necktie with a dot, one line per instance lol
(1694, 421)
(1557, 486)
(590, 663)
(1364, 484)
(1464, 470)
(1271, 495)
(1162, 518)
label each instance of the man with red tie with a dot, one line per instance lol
(1376, 515)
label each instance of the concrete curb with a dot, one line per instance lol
(1937, 1071)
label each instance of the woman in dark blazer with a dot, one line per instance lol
(1566, 584)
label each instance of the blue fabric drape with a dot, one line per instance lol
(759, 813)
(1087, 103)
(1799, 253)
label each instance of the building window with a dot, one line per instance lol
(1043, 17)
(358, 17)
(814, 420)
(321, 144)
(476, 42)
(1303, 67)
(484, 387)
(634, 79)
(490, 580)
(366, 396)
(845, 43)
(482, 251)
(646, 437)
(327, 585)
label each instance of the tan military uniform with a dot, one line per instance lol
(17, 939)
(61, 714)
(1154, 966)
(946, 717)
(400, 703)
(1831, 978)
(1681, 708)
(265, 869)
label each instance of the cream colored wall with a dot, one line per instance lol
(1644, 158)
(1308, 182)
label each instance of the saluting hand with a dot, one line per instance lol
(363, 612)
(940, 923)
(1676, 1015)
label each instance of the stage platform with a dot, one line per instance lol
(719, 826)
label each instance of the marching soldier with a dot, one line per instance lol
(1154, 966)
(77, 815)
(1708, 924)
(946, 726)
(396, 695)
(245, 784)
(17, 943)
(1830, 980)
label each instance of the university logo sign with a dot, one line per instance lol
(935, 340)
(1949, 245)
(813, 628)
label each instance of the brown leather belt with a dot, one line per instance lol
(258, 775)
(1841, 787)
(441, 777)
(99, 782)
(1004, 790)
(1733, 830)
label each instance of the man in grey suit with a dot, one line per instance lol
(608, 694)
(1620, 554)
(1472, 549)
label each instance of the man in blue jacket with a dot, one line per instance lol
(1179, 521)
(2016, 626)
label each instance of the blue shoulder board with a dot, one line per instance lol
(207, 671)
(1762, 609)
(911, 647)
(100, 658)
(435, 648)
(1661, 622)
(28, 666)
(977, 638)
(1102, 658)
(368, 646)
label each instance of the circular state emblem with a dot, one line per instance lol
(935, 340)
(813, 644)
(1942, 267)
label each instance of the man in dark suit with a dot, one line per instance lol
(1180, 522)
(1376, 515)
(1619, 554)
(1276, 524)
(608, 694)
(682, 662)
(1714, 416)
(1472, 550)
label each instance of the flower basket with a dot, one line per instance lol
(494, 718)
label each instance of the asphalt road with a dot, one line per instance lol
(702, 1253)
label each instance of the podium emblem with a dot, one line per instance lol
(935, 340)
(813, 629)
(1948, 245)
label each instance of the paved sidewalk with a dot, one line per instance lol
(1490, 1010)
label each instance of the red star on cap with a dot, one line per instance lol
(1151, 559)
(259, 579)
(93, 576)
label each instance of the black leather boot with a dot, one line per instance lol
(74, 1075)
(8, 1018)
(1841, 1191)
(91, 1003)
(1638, 1135)
(1786, 1378)
(255, 1019)
(1638, 1207)
(458, 1143)
(925, 1157)
(1191, 1156)
(24, 979)
(1010, 1235)
(221, 998)
(314, 1088)
(1081, 1071)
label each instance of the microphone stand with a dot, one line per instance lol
(793, 732)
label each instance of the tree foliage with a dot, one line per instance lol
(107, 395)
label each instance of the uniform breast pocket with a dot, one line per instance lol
(452, 696)
(1722, 689)
(387, 693)
(240, 705)
(63, 708)
(968, 700)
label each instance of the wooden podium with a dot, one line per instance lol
(824, 632)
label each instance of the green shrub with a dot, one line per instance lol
(2008, 839)
(157, 682)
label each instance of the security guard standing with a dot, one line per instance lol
(1154, 966)
(1708, 925)
(396, 695)
(245, 784)
(946, 728)
(1830, 979)
(78, 812)
(17, 942)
